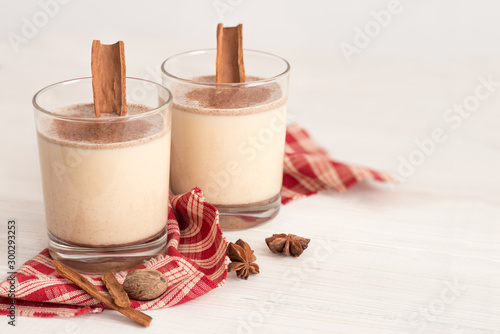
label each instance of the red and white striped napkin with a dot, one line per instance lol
(308, 169)
(195, 260)
(195, 263)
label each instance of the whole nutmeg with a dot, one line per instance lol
(145, 284)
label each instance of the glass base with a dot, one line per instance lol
(105, 259)
(233, 217)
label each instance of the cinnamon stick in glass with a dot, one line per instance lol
(108, 78)
(229, 62)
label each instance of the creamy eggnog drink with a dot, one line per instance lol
(106, 179)
(231, 151)
(100, 192)
(229, 139)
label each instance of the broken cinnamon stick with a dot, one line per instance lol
(115, 289)
(229, 62)
(108, 78)
(80, 281)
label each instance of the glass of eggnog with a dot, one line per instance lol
(105, 179)
(228, 138)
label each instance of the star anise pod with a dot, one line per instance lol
(242, 258)
(287, 244)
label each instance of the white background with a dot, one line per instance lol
(399, 248)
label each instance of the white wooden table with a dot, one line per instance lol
(421, 257)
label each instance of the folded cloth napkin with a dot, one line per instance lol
(195, 263)
(308, 170)
(195, 258)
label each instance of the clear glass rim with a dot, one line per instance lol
(98, 119)
(240, 84)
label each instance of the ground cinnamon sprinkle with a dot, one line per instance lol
(224, 100)
(230, 98)
(88, 133)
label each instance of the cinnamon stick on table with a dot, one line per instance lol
(115, 289)
(108, 78)
(139, 317)
(229, 62)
